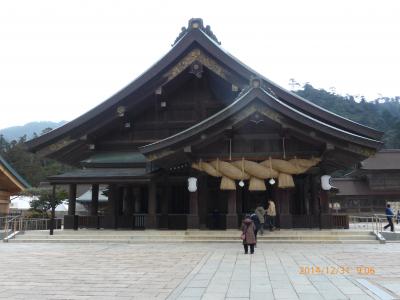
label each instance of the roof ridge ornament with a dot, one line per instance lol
(197, 24)
(255, 82)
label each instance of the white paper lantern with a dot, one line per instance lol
(192, 184)
(326, 182)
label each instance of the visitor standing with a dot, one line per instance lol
(389, 215)
(248, 236)
(271, 214)
(256, 222)
(260, 212)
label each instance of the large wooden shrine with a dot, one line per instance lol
(200, 113)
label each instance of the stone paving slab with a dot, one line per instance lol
(198, 271)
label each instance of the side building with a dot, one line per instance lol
(11, 183)
(374, 183)
(201, 116)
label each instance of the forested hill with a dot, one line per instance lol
(28, 130)
(382, 114)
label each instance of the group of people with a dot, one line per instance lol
(255, 222)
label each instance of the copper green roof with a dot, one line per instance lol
(102, 175)
(15, 176)
(115, 158)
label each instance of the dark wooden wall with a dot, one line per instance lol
(255, 141)
(185, 105)
(384, 180)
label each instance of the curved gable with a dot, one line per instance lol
(196, 43)
(244, 106)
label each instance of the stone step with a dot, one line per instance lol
(195, 232)
(134, 241)
(201, 237)
(207, 236)
(110, 236)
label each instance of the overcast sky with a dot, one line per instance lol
(59, 59)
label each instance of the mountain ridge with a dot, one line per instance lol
(28, 129)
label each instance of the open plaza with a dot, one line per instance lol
(199, 271)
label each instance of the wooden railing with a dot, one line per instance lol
(139, 221)
(340, 221)
(88, 221)
(136, 221)
(214, 221)
(305, 221)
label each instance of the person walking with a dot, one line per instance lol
(260, 212)
(271, 214)
(248, 236)
(389, 215)
(398, 216)
(256, 222)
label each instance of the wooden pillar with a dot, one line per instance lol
(114, 205)
(163, 221)
(53, 210)
(324, 200)
(193, 217)
(151, 220)
(120, 197)
(123, 200)
(285, 217)
(72, 199)
(71, 220)
(165, 200)
(202, 201)
(315, 196)
(325, 218)
(95, 200)
(129, 201)
(137, 206)
(239, 201)
(231, 216)
(4, 202)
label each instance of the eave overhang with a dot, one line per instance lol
(103, 175)
(12, 176)
(244, 100)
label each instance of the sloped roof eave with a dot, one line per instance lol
(238, 104)
(151, 73)
(16, 178)
(370, 132)
(177, 50)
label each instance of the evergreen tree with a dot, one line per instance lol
(33, 168)
(382, 114)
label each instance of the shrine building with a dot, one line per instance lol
(11, 183)
(199, 140)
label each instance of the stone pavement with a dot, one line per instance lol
(199, 271)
